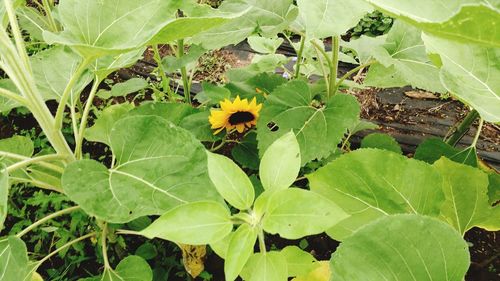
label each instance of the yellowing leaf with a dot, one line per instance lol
(193, 258)
(321, 273)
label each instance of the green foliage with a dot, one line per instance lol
(381, 141)
(372, 24)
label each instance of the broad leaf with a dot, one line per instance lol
(246, 152)
(4, 193)
(321, 273)
(13, 259)
(239, 250)
(108, 27)
(402, 247)
(158, 166)
(122, 89)
(101, 130)
(264, 45)
(469, 72)
(365, 47)
(230, 181)
(403, 61)
(433, 149)
(270, 266)
(33, 21)
(381, 141)
(369, 184)
(7, 104)
(325, 18)
(299, 262)
(106, 65)
(318, 128)
(294, 213)
(474, 21)
(280, 163)
(132, 268)
(262, 17)
(20, 145)
(197, 223)
(466, 192)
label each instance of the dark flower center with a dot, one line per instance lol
(241, 117)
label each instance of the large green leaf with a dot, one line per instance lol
(470, 72)
(13, 259)
(403, 61)
(131, 268)
(381, 141)
(270, 266)
(96, 28)
(53, 69)
(101, 130)
(433, 149)
(294, 213)
(19, 145)
(318, 128)
(299, 262)
(4, 193)
(158, 166)
(262, 17)
(325, 18)
(370, 183)
(239, 250)
(231, 182)
(466, 192)
(473, 21)
(280, 163)
(7, 104)
(402, 247)
(197, 223)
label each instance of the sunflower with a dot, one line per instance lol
(238, 115)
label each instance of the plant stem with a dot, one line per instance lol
(47, 218)
(300, 53)
(10, 95)
(478, 133)
(351, 72)
(329, 83)
(127, 232)
(463, 128)
(334, 66)
(85, 116)
(36, 183)
(16, 31)
(47, 257)
(48, 13)
(165, 81)
(185, 79)
(67, 92)
(262, 244)
(104, 239)
(41, 160)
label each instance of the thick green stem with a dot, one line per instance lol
(47, 218)
(10, 95)
(165, 81)
(185, 78)
(47, 257)
(85, 116)
(463, 128)
(104, 238)
(300, 53)
(39, 160)
(334, 66)
(262, 243)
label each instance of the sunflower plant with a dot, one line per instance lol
(291, 171)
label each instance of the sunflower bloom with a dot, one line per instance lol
(239, 115)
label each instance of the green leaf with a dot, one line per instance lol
(381, 141)
(470, 72)
(318, 129)
(19, 145)
(433, 149)
(294, 213)
(13, 259)
(280, 163)
(370, 183)
(4, 193)
(147, 251)
(468, 21)
(402, 247)
(158, 166)
(7, 104)
(174, 63)
(299, 262)
(270, 266)
(466, 192)
(494, 187)
(122, 89)
(101, 130)
(220, 247)
(197, 223)
(365, 47)
(104, 66)
(212, 94)
(33, 21)
(361, 126)
(264, 45)
(230, 181)
(318, 19)
(246, 152)
(52, 70)
(197, 123)
(239, 251)
(131, 268)
(172, 112)
(107, 28)
(404, 61)
(261, 16)
(260, 64)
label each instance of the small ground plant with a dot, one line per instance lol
(225, 168)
